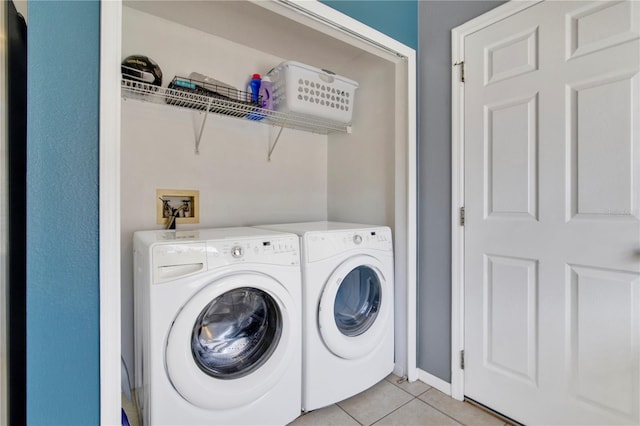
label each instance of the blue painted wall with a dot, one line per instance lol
(396, 18)
(63, 350)
(63, 372)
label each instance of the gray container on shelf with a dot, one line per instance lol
(217, 86)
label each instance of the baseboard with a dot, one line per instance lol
(398, 371)
(434, 382)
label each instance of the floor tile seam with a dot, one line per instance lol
(348, 414)
(479, 409)
(423, 392)
(393, 382)
(393, 411)
(404, 390)
(448, 415)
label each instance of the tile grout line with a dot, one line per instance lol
(347, 413)
(439, 410)
(425, 402)
(413, 397)
(402, 389)
(393, 411)
(390, 412)
(472, 405)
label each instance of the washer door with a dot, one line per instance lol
(355, 307)
(231, 342)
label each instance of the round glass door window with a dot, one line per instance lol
(236, 333)
(358, 301)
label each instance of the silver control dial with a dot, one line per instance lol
(237, 251)
(357, 239)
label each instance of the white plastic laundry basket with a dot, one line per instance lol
(313, 92)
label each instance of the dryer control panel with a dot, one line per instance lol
(322, 245)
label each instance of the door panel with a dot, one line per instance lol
(604, 353)
(552, 214)
(512, 56)
(600, 25)
(604, 179)
(511, 348)
(512, 184)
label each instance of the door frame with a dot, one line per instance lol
(328, 20)
(109, 197)
(458, 35)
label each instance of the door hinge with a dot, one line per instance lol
(461, 63)
(461, 216)
(462, 359)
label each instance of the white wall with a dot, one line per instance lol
(361, 167)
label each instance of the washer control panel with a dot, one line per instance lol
(273, 250)
(177, 260)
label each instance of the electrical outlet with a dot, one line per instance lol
(181, 203)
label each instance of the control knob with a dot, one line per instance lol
(237, 252)
(357, 239)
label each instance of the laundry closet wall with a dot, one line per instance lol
(62, 238)
(436, 19)
(237, 185)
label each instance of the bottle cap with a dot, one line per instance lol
(256, 76)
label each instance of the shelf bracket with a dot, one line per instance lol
(275, 142)
(204, 120)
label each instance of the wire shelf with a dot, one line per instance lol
(233, 106)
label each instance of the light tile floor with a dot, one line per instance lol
(393, 403)
(387, 403)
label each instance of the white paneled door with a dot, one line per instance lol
(552, 203)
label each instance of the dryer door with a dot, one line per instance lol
(231, 342)
(355, 307)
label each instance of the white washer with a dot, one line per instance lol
(217, 326)
(347, 311)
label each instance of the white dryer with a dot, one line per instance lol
(347, 310)
(217, 327)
